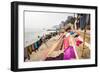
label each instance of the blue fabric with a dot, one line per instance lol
(36, 45)
(72, 33)
(83, 21)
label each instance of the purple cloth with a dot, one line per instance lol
(69, 53)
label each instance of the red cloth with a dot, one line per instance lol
(78, 42)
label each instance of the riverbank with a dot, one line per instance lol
(53, 49)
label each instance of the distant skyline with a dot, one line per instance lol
(41, 20)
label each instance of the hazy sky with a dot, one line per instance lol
(40, 20)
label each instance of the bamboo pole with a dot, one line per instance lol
(84, 39)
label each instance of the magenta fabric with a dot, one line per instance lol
(69, 53)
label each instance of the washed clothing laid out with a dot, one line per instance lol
(40, 41)
(78, 41)
(84, 20)
(76, 35)
(33, 47)
(36, 45)
(71, 33)
(66, 42)
(27, 51)
(69, 53)
(60, 57)
(68, 49)
(25, 54)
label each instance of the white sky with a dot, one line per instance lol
(38, 20)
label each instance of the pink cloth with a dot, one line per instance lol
(66, 42)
